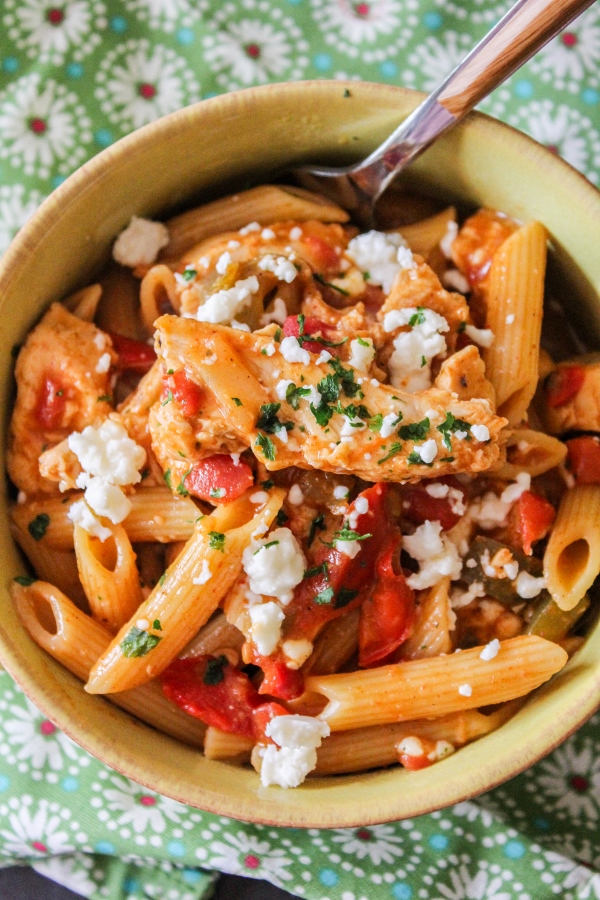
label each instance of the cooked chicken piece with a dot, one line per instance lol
(134, 414)
(326, 415)
(571, 396)
(463, 374)
(63, 378)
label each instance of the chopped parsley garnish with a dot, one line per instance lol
(414, 459)
(268, 484)
(138, 643)
(461, 327)
(324, 596)
(353, 411)
(277, 335)
(268, 421)
(156, 625)
(418, 318)
(24, 580)
(415, 431)
(329, 284)
(237, 401)
(376, 422)
(423, 361)
(104, 398)
(37, 527)
(344, 597)
(266, 546)
(181, 488)
(341, 380)
(293, 394)
(216, 541)
(214, 673)
(345, 379)
(322, 569)
(281, 518)
(168, 400)
(447, 459)
(167, 478)
(189, 274)
(315, 338)
(266, 445)
(346, 534)
(162, 579)
(363, 343)
(216, 493)
(394, 450)
(317, 524)
(450, 426)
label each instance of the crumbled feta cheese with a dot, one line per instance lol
(482, 336)
(205, 574)
(465, 690)
(323, 357)
(107, 500)
(295, 495)
(203, 262)
(108, 452)
(511, 569)
(449, 238)
(233, 245)
(21, 498)
(291, 351)
(103, 364)
(410, 746)
(459, 598)
(527, 586)
(266, 619)
(361, 356)
(267, 234)
(455, 280)
(278, 314)
(295, 233)
(223, 306)
(360, 508)
(409, 364)
(442, 749)
(340, 492)
(367, 456)
(427, 451)
(259, 497)
(295, 755)
(514, 491)
(274, 564)
(510, 319)
(380, 257)
(471, 564)
(81, 514)
(281, 388)
(388, 424)
(100, 340)
(236, 458)
(241, 326)
(296, 652)
(490, 651)
(350, 426)
(223, 261)
(437, 555)
(142, 624)
(269, 349)
(248, 229)
(348, 548)
(491, 511)
(140, 243)
(280, 266)
(480, 432)
(437, 490)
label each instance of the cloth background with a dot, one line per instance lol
(74, 77)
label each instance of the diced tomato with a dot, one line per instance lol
(414, 763)
(562, 385)
(186, 392)
(536, 516)
(386, 616)
(279, 681)
(51, 403)
(134, 356)
(219, 694)
(584, 459)
(419, 506)
(323, 255)
(218, 478)
(291, 328)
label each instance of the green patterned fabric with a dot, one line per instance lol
(75, 76)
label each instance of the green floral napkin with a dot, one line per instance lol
(75, 75)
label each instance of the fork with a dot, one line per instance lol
(521, 32)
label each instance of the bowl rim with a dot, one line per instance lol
(18, 667)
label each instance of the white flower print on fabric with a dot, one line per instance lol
(36, 828)
(433, 59)
(472, 813)
(139, 82)
(137, 807)
(355, 27)
(480, 12)
(569, 780)
(72, 872)
(379, 843)
(16, 206)
(167, 14)
(245, 51)
(48, 30)
(481, 886)
(246, 854)
(568, 872)
(43, 126)
(571, 60)
(34, 740)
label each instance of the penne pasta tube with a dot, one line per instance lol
(119, 307)
(156, 515)
(531, 451)
(430, 687)
(184, 598)
(514, 314)
(215, 635)
(424, 236)
(367, 748)
(430, 635)
(157, 290)
(265, 204)
(572, 557)
(334, 646)
(50, 564)
(109, 576)
(84, 303)
(76, 641)
(232, 747)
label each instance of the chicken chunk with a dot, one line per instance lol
(571, 396)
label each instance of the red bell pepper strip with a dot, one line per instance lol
(219, 478)
(584, 459)
(535, 516)
(51, 403)
(186, 392)
(134, 356)
(419, 506)
(292, 328)
(562, 385)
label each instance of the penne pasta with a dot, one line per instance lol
(57, 566)
(572, 557)
(334, 646)
(514, 314)
(430, 634)
(431, 687)
(424, 236)
(76, 641)
(157, 291)
(531, 451)
(119, 307)
(216, 635)
(84, 303)
(235, 748)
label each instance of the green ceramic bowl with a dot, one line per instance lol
(204, 151)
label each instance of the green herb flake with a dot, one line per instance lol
(293, 394)
(216, 541)
(268, 421)
(268, 484)
(364, 343)
(167, 478)
(162, 579)
(418, 318)
(266, 546)
(38, 526)
(189, 274)
(24, 580)
(415, 431)
(450, 426)
(217, 493)
(447, 459)
(138, 643)
(237, 401)
(317, 524)
(376, 422)
(344, 596)
(214, 673)
(319, 278)
(414, 459)
(423, 361)
(104, 398)
(324, 596)
(281, 518)
(346, 534)
(156, 625)
(277, 335)
(266, 445)
(394, 450)
(322, 569)
(168, 400)
(461, 327)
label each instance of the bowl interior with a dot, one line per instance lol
(196, 154)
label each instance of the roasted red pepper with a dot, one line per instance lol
(51, 403)
(562, 385)
(186, 392)
(536, 516)
(292, 327)
(584, 459)
(134, 356)
(419, 506)
(219, 478)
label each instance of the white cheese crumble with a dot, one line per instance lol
(491, 511)
(142, 624)
(296, 652)
(278, 314)
(236, 458)
(100, 340)
(410, 746)
(362, 354)
(437, 555)
(274, 565)
(465, 690)
(248, 229)
(223, 261)
(295, 495)
(267, 234)
(490, 651)
(340, 492)
(103, 364)
(259, 497)
(437, 490)
(266, 619)
(297, 739)
(323, 357)
(205, 574)
(380, 257)
(410, 363)
(232, 245)
(480, 432)
(241, 326)
(281, 388)
(528, 587)
(361, 507)
(280, 266)
(269, 349)
(350, 426)
(223, 306)
(455, 280)
(291, 351)
(510, 319)
(81, 514)
(108, 452)
(140, 243)
(482, 336)
(388, 424)
(427, 451)
(511, 569)
(449, 238)
(459, 598)
(348, 548)
(295, 233)
(107, 500)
